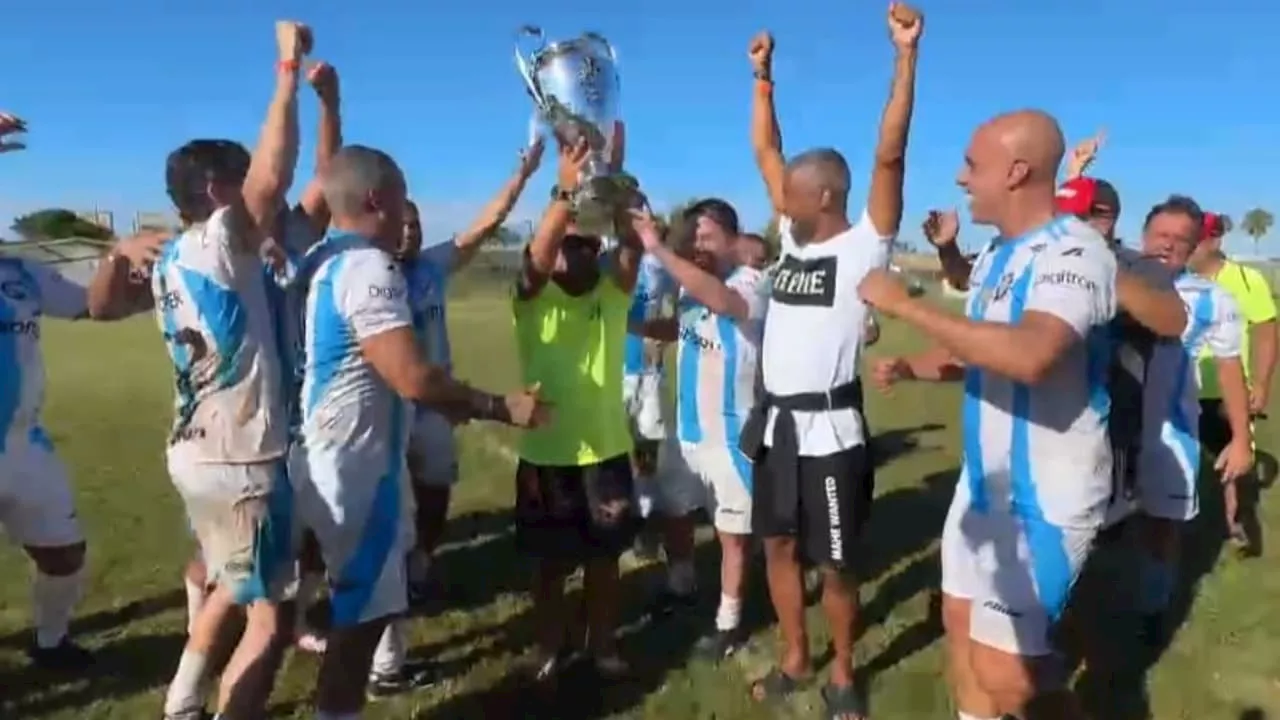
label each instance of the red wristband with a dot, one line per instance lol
(290, 65)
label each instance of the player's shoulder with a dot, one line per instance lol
(1068, 239)
(745, 276)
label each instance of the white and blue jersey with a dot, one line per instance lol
(1041, 452)
(717, 365)
(28, 291)
(212, 305)
(355, 428)
(428, 281)
(1171, 407)
(285, 297)
(654, 286)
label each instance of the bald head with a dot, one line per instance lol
(824, 168)
(357, 177)
(1032, 137)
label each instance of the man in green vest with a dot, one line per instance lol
(574, 488)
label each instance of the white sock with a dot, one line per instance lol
(967, 716)
(729, 613)
(186, 690)
(680, 577)
(195, 601)
(644, 498)
(388, 657)
(322, 715)
(53, 599)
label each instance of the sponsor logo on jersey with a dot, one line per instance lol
(805, 282)
(29, 328)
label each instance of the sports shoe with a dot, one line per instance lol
(66, 655)
(720, 644)
(413, 676)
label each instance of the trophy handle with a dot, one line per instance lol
(528, 65)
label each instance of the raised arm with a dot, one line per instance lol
(626, 254)
(540, 256)
(495, 212)
(119, 287)
(766, 137)
(888, 170)
(941, 228)
(1083, 155)
(324, 79)
(699, 284)
(272, 164)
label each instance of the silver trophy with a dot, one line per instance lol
(574, 86)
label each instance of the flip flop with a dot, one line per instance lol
(843, 703)
(775, 685)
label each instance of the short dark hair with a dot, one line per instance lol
(1177, 205)
(189, 170)
(716, 210)
(828, 165)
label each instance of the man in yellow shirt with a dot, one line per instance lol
(574, 486)
(1250, 290)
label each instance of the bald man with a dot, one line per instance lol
(1036, 477)
(813, 479)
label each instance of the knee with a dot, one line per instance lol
(1008, 679)
(841, 580)
(780, 550)
(58, 561)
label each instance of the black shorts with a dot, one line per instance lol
(1215, 431)
(575, 513)
(833, 505)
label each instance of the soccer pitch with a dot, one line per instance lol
(108, 411)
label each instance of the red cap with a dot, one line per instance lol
(1088, 196)
(1213, 226)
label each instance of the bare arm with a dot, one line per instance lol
(933, 365)
(956, 268)
(660, 329)
(117, 290)
(329, 141)
(1263, 341)
(766, 136)
(495, 212)
(272, 165)
(1025, 352)
(1159, 310)
(540, 256)
(702, 285)
(1235, 398)
(884, 203)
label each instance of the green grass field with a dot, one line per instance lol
(108, 411)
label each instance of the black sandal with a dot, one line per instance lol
(843, 702)
(775, 685)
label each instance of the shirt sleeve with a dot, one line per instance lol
(1259, 306)
(1226, 335)
(59, 297)
(1074, 282)
(374, 294)
(748, 284)
(442, 255)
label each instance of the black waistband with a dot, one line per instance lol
(841, 397)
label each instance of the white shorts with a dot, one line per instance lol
(642, 397)
(1166, 478)
(358, 505)
(705, 475)
(37, 508)
(242, 518)
(433, 452)
(1017, 573)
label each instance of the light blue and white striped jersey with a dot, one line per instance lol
(428, 279)
(1171, 397)
(1042, 451)
(28, 291)
(212, 307)
(354, 291)
(654, 286)
(717, 362)
(285, 296)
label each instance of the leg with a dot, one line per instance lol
(786, 591)
(311, 582)
(644, 462)
(549, 607)
(433, 470)
(960, 583)
(601, 588)
(680, 492)
(547, 533)
(195, 581)
(610, 523)
(726, 475)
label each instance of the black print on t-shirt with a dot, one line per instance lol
(805, 282)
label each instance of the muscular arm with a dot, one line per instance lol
(272, 165)
(884, 203)
(1263, 340)
(115, 292)
(312, 204)
(490, 219)
(1159, 310)
(1025, 352)
(540, 257)
(934, 365)
(702, 285)
(766, 142)
(1235, 397)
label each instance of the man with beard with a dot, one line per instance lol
(813, 478)
(432, 456)
(717, 329)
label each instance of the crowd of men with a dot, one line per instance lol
(313, 444)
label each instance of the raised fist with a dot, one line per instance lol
(941, 227)
(324, 79)
(905, 25)
(293, 40)
(761, 51)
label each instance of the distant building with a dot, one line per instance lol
(150, 220)
(101, 218)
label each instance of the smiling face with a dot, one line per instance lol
(1170, 236)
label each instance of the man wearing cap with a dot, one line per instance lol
(1253, 295)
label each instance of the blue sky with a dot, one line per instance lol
(1185, 90)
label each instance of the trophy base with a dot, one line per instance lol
(600, 200)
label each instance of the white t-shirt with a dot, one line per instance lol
(355, 291)
(716, 361)
(212, 305)
(1042, 451)
(28, 290)
(813, 335)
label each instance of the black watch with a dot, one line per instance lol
(562, 195)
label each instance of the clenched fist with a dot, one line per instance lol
(905, 25)
(293, 40)
(760, 52)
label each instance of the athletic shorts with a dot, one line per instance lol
(37, 508)
(575, 513)
(433, 452)
(242, 517)
(1016, 573)
(358, 504)
(642, 397)
(833, 505)
(716, 478)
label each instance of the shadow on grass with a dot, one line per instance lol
(123, 668)
(113, 618)
(1111, 646)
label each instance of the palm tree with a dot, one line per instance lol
(1255, 224)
